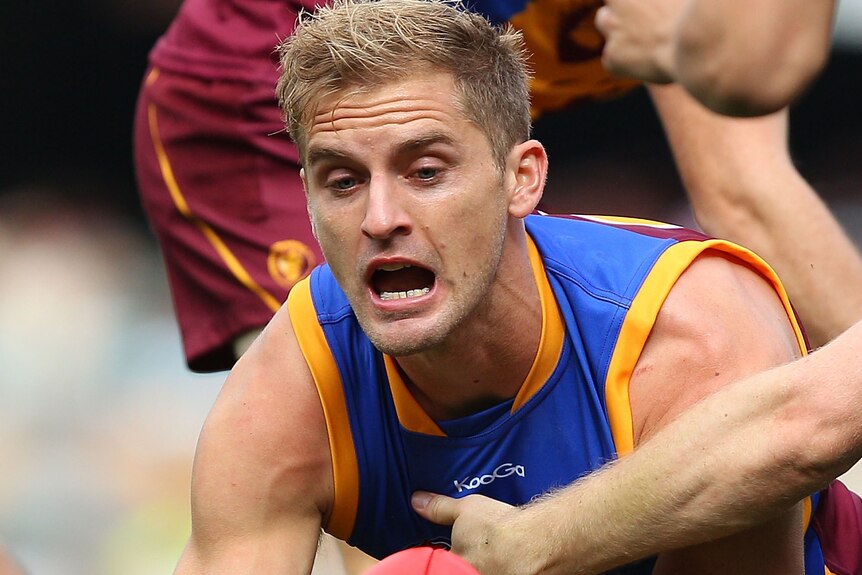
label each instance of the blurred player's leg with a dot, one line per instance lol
(220, 185)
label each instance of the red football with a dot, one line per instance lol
(423, 561)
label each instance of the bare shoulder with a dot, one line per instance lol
(262, 471)
(721, 321)
(270, 394)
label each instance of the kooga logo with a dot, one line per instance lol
(501, 471)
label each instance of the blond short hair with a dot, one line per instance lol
(362, 44)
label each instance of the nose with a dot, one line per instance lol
(385, 212)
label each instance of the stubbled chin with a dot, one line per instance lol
(400, 337)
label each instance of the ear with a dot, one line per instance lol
(304, 181)
(527, 169)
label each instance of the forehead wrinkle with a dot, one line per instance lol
(380, 104)
(335, 122)
(351, 106)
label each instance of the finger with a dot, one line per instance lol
(436, 508)
(603, 16)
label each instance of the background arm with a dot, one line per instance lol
(743, 186)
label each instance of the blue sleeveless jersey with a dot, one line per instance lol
(602, 284)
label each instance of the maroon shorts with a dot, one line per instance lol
(219, 182)
(838, 524)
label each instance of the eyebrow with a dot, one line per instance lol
(424, 141)
(316, 155)
(320, 154)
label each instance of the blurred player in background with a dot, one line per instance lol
(759, 63)
(218, 177)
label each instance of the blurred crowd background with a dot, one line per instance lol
(98, 414)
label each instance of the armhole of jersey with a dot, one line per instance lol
(327, 380)
(769, 274)
(641, 317)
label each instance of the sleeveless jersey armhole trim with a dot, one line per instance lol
(769, 274)
(327, 380)
(642, 315)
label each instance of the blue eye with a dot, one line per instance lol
(426, 173)
(343, 184)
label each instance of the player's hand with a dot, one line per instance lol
(639, 37)
(484, 532)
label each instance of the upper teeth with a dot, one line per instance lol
(387, 295)
(394, 267)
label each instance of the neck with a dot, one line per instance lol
(488, 358)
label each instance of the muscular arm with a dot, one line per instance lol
(738, 457)
(734, 460)
(354, 560)
(744, 58)
(743, 186)
(262, 473)
(720, 323)
(736, 57)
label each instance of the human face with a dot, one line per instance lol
(409, 209)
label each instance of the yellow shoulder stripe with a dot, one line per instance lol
(641, 317)
(327, 379)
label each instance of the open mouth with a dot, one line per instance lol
(401, 281)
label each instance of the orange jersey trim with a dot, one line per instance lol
(553, 332)
(324, 371)
(644, 310)
(410, 414)
(641, 318)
